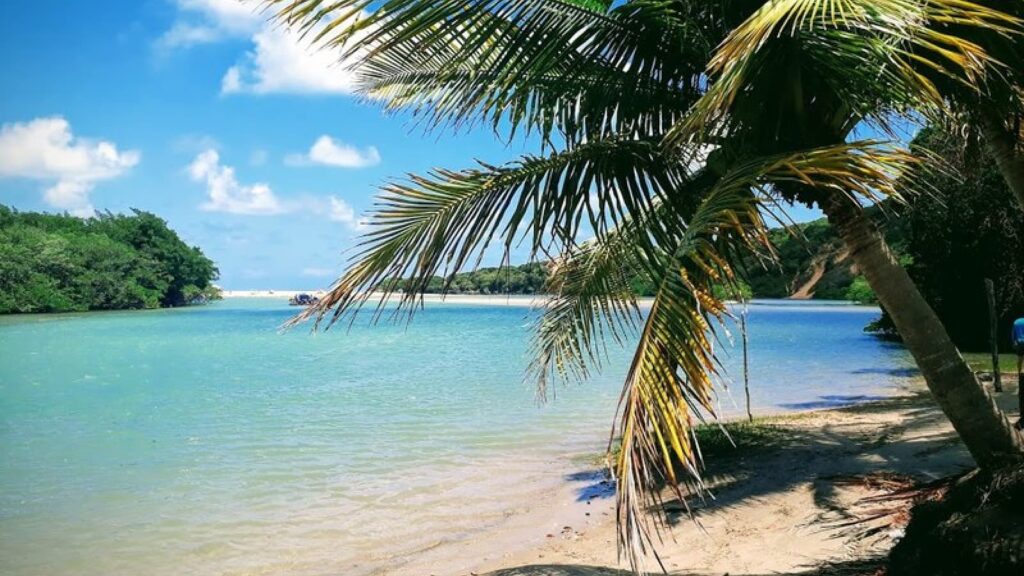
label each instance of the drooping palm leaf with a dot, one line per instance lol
(591, 297)
(443, 223)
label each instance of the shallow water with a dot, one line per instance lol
(203, 441)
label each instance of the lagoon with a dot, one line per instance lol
(204, 441)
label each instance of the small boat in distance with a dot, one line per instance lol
(303, 300)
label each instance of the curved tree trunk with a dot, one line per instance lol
(1002, 143)
(986, 432)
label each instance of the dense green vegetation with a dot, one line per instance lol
(524, 279)
(812, 264)
(970, 229)
(59, 263)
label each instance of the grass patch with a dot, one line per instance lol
(739, 438)
(982, 362)
(742, 438)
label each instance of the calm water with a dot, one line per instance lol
(202, 441)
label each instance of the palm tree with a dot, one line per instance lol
(811, 71)
(993, 110)
(1004, 137)
(997, 110)
(669, 130)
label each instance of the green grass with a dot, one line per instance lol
(761, 435)
(746, 437)
(983, 362)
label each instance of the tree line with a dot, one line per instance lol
(60, 263)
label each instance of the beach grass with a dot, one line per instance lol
(735, 438)
(982, 361)
(742, 437)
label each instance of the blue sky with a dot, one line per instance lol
(249, 144)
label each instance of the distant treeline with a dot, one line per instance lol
(523, 279)
(60, 263)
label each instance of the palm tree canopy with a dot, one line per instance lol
(669, 128)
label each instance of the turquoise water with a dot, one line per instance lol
(203, 441)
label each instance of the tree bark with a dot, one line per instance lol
(984, 429)
(1002, 143)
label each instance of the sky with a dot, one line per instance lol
(250, 143)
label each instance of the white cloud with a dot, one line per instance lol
(45, 149)
(226, 194)
(341, 211)
(194, 143)
(258, 157)
(208, 21)
(232, 81)
(327, 151)
(282, 62)
(318, 272)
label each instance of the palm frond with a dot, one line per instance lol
(891, 53)
(582, 69)
(671, 379)
(444, 222)
(576, 99)
(591, 297)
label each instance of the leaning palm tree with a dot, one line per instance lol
(812, 71)
(995, 109)
(669, 129)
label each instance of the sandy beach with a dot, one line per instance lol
(781, 508)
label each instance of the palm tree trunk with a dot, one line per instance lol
(982, 426)
(1002, 143)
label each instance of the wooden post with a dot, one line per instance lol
(746, 366)
(993, 334)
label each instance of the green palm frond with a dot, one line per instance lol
(444, 222)
(901, 20)
(671, 379)
(591, 297)
(579, 69)
(576, 99)
(890, 52)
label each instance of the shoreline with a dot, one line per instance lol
(498, 523)
(538, 300)
(776, 508)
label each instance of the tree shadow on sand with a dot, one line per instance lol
(850, 568)
(811, 454)
(914, 442)
(814, 455)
